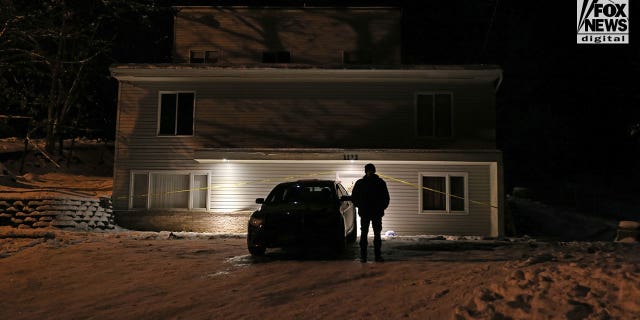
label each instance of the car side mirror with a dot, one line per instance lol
(260, 200)
(345, 198)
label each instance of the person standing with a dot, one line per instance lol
(371, 197)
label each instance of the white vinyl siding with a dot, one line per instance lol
(434, 114)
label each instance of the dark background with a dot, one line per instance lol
(566, 112)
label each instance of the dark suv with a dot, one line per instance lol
(300, 213)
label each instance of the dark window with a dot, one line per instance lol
(196, 56)
(176, 113)
(433, 115)
(203, 56)
(169, 190)
(443, 193)
(357, 57)
(276, 57)
(433, 193)
(301, 193)
(456, 184)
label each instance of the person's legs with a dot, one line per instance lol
(377, 240)
(364, 231)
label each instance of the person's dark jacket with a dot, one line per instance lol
(371, 196)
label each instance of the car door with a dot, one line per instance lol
(347, 209)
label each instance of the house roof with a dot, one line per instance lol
(292, 6)
(287, 72)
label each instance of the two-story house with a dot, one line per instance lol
(258, 96)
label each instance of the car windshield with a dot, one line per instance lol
(298, 193)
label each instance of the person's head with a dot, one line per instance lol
(369, 169)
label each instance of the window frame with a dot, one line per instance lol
(191, 173)
(416, 120)
(349, 55)
(447, 176)
(204, 55)
(175, 125)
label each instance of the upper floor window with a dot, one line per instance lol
(276, 57)
(434, 115)
(357, 57)
(204, 56)
(176, 113)
(444, 192)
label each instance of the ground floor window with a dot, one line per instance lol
(169, 190)
(444, 192)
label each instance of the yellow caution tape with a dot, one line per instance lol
(435, 191)
(238, 184)
(297, 177)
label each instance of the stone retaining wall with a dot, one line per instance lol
(75, 213)
(628, 231)
(190, 221)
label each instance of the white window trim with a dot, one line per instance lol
(175, 128)
(191, 174)
(415, 114)
(445, 175)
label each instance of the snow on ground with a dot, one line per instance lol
(85, 170)
(147, 275)
(124, 274)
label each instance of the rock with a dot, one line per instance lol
(63, 224)
(628, 231)
(41, 224)
(631, 225)
(628, 234)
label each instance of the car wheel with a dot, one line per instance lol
(254, 249)
(339, 240)
(257, 251)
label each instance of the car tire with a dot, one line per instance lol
(339, 242)
(257, 251)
